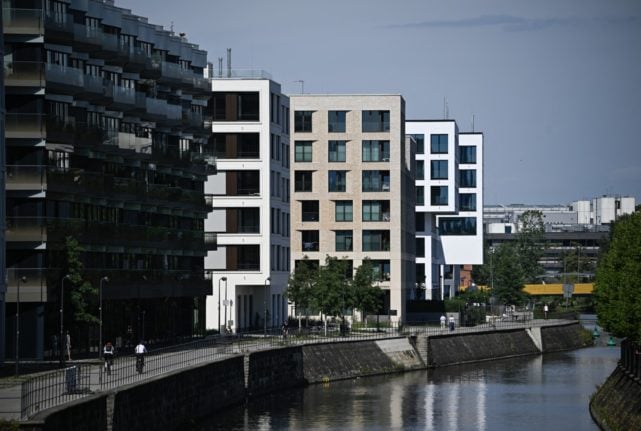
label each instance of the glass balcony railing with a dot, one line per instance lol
(26, 229)
(24, 125)
(22, 21)
(26, 177)
(64, 75)
(33, 284)
(24, 73)
(124, 96)
(59, 22)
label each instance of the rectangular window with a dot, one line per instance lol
(376, 210)
(344, 240)
(467, 154)
(303, 181)
(337, 151)
(303, 121)
(467, 178)
(420, 170)
(438, 144)
(344, 210)
(376, 151)
(376, 121)
(420, 247)
(376, 240)
(236, 145)
(336, 121)
(303, 151)
(381, 270)
(467, 201)
(420, 195)
(438, 195)
(376, 181)
(457, 226)
(235, 106)
(309, 211)
(337, 181)
(310, 240)
(420, 143)
(438, 169)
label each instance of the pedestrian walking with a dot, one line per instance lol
(451, 323)
(68, 346)
(545, 311)
(443, 321)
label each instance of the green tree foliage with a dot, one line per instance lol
(508, 274)
(332, 295)
(530, 244)
(302, 284)
(617, 290)
(366, 297)
(83, 295)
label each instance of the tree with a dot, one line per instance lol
(301, 285)
(617, 290)
(366, 297)
(83, 295)
(507, 274)
(530, 244)
(331, 296)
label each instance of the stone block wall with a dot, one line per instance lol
(617, 403)
(275, 369)
(563, 337)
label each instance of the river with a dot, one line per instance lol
(548, 392)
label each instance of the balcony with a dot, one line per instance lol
(109, 46)
(123, 98)
(134, 58)
(211, 241)
(68, 80)
(59, 26)
(160, 109)
(130, 141)
(24, 74)
(26, 177)
(193, 119)
(34, 289)
(25, 126)
(22, 21)
(87, 39)
(26, 229)
(209, 202)
(171, 73)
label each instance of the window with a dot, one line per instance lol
(457, 226)
(309, 211)
(303, 151)
(375, 121)
(438, 195)
(376, 240)
(467, 178)
(337, 181)
(303, 181)
(420, 195)
(420, 143)
(467, 155)
(467, 202)
(336, 121)
(376, 181)
(438, 169)
(236, 145)
(420, 170)
(376, 211)
(438, 144)
(237, 106)
(420, 247)
(310, 240)
(420, 222)
(344, 210)
(376, 151)
(337, 151)
(303, 121)
(344, 240)
(381, 270)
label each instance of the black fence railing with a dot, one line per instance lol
(631, 358)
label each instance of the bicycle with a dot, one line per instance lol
(140, 363)
(109, 362)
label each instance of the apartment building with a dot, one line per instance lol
(105, 144)
(250, 199)
(449, 205)
(353, 187)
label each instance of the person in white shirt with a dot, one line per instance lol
(140, 356)
(443, 320)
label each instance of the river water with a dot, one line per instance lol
(548, 392)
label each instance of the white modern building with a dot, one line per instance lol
(250, 196)
(603, 209)
(353, 191)
(449, 205)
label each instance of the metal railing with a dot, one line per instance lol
(631, 358)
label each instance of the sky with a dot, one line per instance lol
(555, 86)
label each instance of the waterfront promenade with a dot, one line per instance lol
(22, 400)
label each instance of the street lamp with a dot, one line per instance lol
(103, 279)
(24, 280)
(267, 280)
(219, 280)
(225, 303)
(62, 321)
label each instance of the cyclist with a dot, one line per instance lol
(140, 356)
(108, 354)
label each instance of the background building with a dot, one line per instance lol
(104, 143)
(449, 205)
(353, 191)
(250, 198)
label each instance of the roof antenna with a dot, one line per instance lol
(171, 27)
(220, 67)
(228, 62)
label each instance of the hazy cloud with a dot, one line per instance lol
(516, 23)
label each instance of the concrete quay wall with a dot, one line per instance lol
(617, 403)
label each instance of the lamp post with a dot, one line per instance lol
(103, 279)
(24, 280)
(225, 303)
(219, 280)
(62, 320)
(267, 280)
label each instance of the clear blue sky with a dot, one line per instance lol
(554, 85)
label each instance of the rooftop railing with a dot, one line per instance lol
(242, 74)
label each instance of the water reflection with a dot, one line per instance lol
(528, 393)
